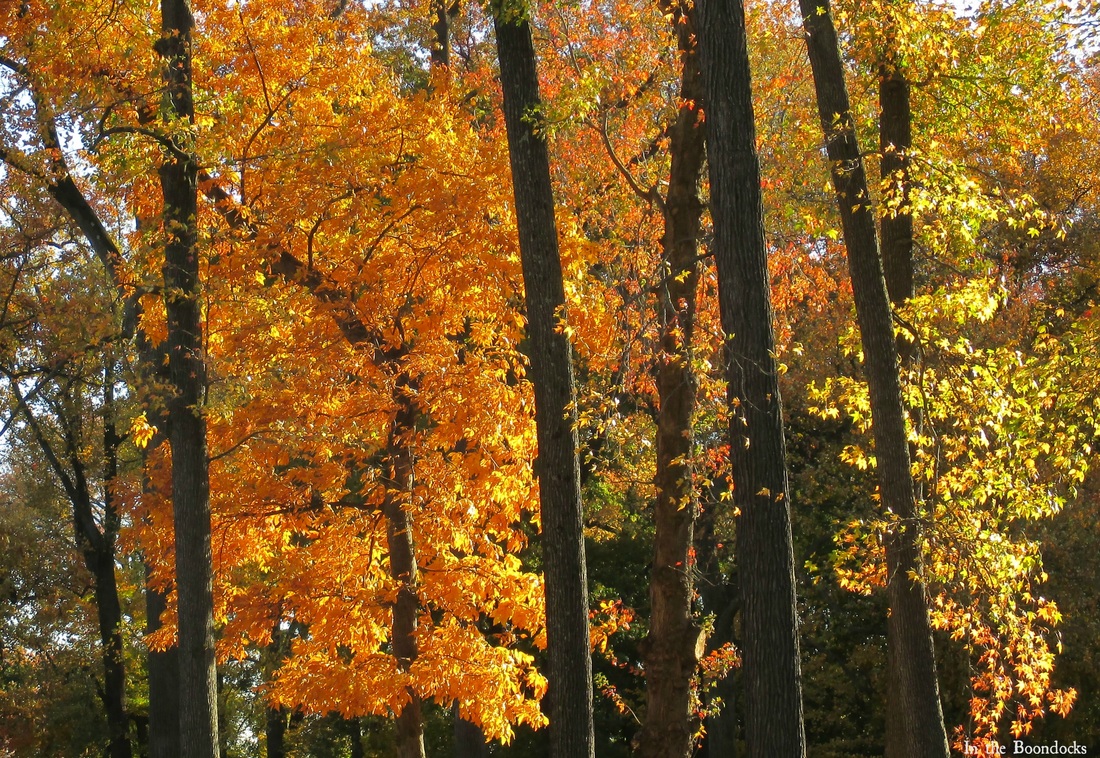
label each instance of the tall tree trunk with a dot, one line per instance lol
(672, 649)
(758, 456)
(912, 663)
(896, 233)
(187, 426)
(102, 564)
(406, 609)
(569, 669)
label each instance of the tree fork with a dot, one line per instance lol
(912, 663)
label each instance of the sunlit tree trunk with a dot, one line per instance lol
(918, 729)
(765, 555)
(569, 665)
(402, 549)
(671, 650)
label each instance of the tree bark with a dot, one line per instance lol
(96, 543)
(895, 142)
(101, 562)
(164, 689)
(671, 650)
(187, 426)
(912, 664)
(469, 740)
(765, 555)
(569, 669)
(403, 569)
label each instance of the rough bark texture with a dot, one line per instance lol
(187, 428)
(569, 665)
(896, 234)
(671, 651)
(406, 609)
(912, 663)
(765, 556)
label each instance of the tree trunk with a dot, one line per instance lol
(912, 663)
(895, 141)
(671, 650)
(101, 562)
(765, 555)
(164, 688)
(406, 609)
(469, 740)
(187, 426)
(719, 596)
(569, 668)
(896, 231)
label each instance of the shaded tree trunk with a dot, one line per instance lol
(164, 689)
(96, 543)
(469, 740)
(719, 596)
(765, 555)
(918, 731)
(896, 233)
(569, 666)
(101, 562)
(672, 648)
(187, 427)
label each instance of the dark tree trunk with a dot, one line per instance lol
(569, 668)
(101, 562)
(912, 663)
(275, 732)
(96, 544)
(895, 141)
(672, 648)
(719, 595)
(896, 232)
(276, 718)
(164, 688)
(355, 735)
(765, 555)
(406, 609)
(187, 427)
(469, 740)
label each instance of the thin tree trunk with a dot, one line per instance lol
(569, 668)
(912, 663)
(895, 142)
(896, 228)
(406, 609)
(672, 649)
(758, 456)
(102, 564)
(187, 426)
